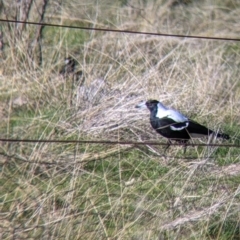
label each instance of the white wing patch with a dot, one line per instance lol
(179, 128)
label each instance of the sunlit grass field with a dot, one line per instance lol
(100, 191)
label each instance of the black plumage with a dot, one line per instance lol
(173, 125)
(69, 66)
(69, 69)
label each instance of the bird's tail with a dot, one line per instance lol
(223, 135)
(196, 128)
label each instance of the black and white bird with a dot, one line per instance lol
(173, 125)
(69, 66)
(70, 69)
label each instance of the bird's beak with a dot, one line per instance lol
(141, 105)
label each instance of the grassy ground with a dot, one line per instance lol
(94, 191)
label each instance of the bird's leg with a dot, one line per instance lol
(184, 146)
(169, 143)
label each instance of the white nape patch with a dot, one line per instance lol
(170, 113)
(67, 61)
(179, 128)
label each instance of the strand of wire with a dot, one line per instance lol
(120, 31)
(106, 142)
(118, 142)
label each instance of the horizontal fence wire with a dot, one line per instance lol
(118, 142)
(106, 142)
(120, 31)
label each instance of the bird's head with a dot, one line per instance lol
(69, 60)
(150, 104)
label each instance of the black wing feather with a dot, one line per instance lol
(162, 126)
(196, 128)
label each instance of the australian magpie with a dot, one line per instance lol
(69, 66)
(69, 69)
(173, 125)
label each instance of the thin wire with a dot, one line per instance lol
(120, 31)
(118, 142)
(153, 143)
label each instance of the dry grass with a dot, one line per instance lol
(74, 191)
